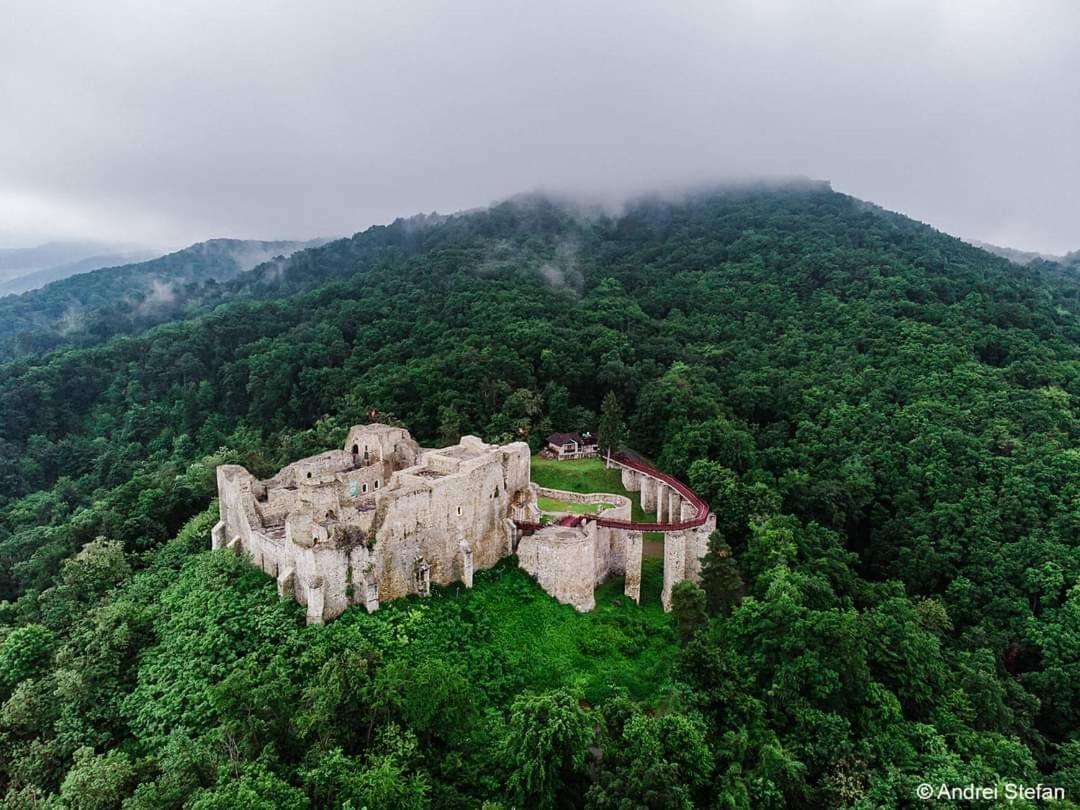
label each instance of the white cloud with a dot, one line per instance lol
(159, 120)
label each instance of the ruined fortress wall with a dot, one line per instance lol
(316, 467)
(430, 517)
(561, 559)
(279, 502)
(385, 443)
(321, 574)
(236, 501)
(298, 550)
(399, 540)
(609, 544)
(264, 552)
(444, 512)
(323, 499)
(367, 479)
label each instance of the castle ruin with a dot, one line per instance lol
(384, 518)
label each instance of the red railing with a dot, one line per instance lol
(701, 509)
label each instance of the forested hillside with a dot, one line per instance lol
(26, 269)
(883, 417)
(1067, 265)
(90, 307)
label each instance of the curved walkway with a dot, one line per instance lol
(701, 509)
(642, 467)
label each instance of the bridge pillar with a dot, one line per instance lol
(674, 507)
(661, 501)
(674, 565)
(697, 546)
(632, 588)
(648, 493)
(631, 479)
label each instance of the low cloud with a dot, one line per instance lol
(299, 121)
(159, 294)
(563, 271)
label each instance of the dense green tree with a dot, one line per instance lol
(97, 782)
(24, 652)
(549, 736)
(255, 787)
(654, 762)
(882, 418)
(382, 783)
(720, 576)
(688, 608)
(611, 429)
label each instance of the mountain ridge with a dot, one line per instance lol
(110, 300)
(881, 416)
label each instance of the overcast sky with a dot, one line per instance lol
(169, 122)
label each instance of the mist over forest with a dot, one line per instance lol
(882, 417)
(601, 405)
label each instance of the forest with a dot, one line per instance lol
(883, 417)
(89, 308)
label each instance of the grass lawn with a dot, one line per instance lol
(550, 505)
(585, 475)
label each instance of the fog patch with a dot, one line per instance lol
(273, 270)
(563, 272)
(251, 254)
(159, 295)
(70, 321)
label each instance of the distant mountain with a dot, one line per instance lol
(42, 276)
(1025, 257)
(91, 306)
(17, 261)
(1070, 260)
(23, 269)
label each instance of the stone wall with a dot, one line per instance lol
(384, 518)
(387, 520)
(561, 559)
(620, 504)
(608, 544)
